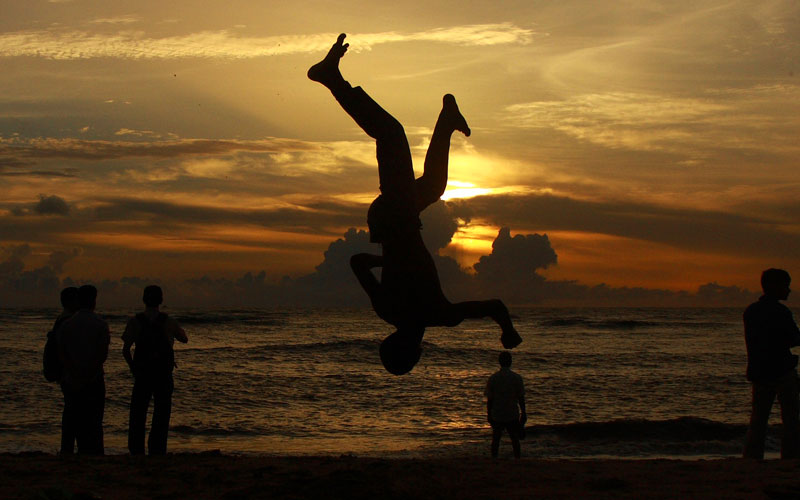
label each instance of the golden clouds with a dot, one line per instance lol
(66, 44)
(693, 126)
(99, 149)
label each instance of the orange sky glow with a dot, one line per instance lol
(653, 142)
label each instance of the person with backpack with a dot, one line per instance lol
(54, 369)
(83, 341)
(153, 333)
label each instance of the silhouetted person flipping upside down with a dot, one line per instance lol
(409, 295)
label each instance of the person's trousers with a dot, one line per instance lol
(787, 390)
(513, 428)
(67, 426)
(82, 419)
(159, 389)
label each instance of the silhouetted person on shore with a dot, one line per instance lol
(770, 332)
(83, 347)
(53, 365)
(153, 333)
(409, 295)
(505, 405)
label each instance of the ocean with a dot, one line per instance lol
(604, 382)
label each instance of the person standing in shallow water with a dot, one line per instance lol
(770, 332)
(153, 333)
(505, 405)
(409, 295)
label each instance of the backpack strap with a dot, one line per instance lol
(144, 321)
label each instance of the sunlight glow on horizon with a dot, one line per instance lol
(463, 190)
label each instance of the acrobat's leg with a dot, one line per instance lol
(433, 182)
(495, 309)
(362, 265)
(394, 155)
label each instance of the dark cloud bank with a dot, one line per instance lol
(511, 272)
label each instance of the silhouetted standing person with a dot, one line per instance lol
(505, 404)
(153, 333)
(409, 295)
(83, 346)
(770, 332)
(69, 302)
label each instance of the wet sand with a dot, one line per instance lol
(217, 476)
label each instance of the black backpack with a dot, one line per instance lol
(153, 355)
(51, 362)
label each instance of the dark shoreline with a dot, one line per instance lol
(215, 475)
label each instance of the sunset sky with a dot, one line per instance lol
(655, 143)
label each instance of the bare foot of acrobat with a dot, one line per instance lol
(510, 338)
(453, 116)
(327, 70)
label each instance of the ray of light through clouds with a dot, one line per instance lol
(654, 143)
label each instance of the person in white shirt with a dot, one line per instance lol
(505, 405)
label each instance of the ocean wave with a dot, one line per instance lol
(324, 347)
(626, 324)
(230, 318)
(215, 430)
(683, 429)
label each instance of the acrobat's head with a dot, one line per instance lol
(775, 283)
(401, 350)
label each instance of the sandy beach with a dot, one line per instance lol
(213, 475)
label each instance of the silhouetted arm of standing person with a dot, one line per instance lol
(175, 331)
(180, 335)
(128, 341)
(791, 328)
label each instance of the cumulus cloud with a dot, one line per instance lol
(714, 293)
(56, 260)
(61, 44)
(30, 286)
(336, 263)
(508, 273)
(516, 256)
(438, 226)
(51, 205)
(693, 229)
(47, 205)
(510, 270)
